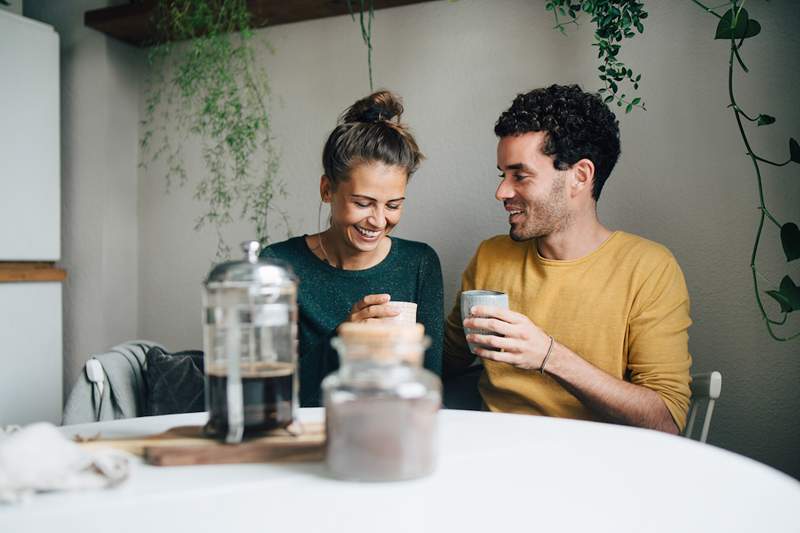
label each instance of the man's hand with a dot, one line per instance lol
(522, 343)
(371, 308)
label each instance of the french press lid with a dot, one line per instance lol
(251, 270)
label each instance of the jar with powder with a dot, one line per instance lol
(381, 405)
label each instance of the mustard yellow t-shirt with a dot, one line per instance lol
(624, 308)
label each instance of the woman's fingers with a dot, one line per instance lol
(375, 311)
(370, 299)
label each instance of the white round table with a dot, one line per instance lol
(496, 472)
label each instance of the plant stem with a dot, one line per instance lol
(773, 163)
(708, 9)
(764, 211)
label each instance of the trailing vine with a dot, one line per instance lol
(365, 21)
(736, 26)
(614, 21)
(211, 88)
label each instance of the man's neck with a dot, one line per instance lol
(582, 236)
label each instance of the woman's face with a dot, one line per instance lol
(365, 207)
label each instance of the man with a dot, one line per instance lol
(598, 323)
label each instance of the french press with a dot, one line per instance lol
(250, 344)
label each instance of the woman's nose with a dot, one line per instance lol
(378, 218)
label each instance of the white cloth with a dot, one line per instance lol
(38, 458)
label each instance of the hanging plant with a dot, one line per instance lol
(211, 88)
(366, 14)
(736, 26)
(614, 21)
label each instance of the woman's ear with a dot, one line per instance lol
(325, 189)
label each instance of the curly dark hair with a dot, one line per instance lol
(578, 125)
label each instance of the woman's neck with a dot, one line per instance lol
(327, 247)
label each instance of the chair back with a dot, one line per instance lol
(706, 389)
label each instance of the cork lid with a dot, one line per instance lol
(382, 341)
(381, 332)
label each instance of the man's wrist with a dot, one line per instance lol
(559, 360)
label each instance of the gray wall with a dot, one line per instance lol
(99, 157)
(683, 179)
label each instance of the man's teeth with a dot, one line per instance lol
(367, 233)
(512, 213)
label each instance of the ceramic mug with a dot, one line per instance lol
(408, 313)
(470, 299)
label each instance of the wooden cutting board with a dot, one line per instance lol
(187, 445)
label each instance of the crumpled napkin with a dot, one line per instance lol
(38, 458)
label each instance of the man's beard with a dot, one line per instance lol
(544, 217)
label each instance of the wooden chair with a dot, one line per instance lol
(705, 392)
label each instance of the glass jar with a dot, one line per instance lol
(381, 406)
(250, 344)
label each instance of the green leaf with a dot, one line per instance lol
(791, 292)
(628, 108)
(794, 151)
(786, 305)
(790, 239)
(765, 120)
(636, 100)
(744, 28)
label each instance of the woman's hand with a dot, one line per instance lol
(371, 308)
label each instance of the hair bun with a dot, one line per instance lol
(379, 106)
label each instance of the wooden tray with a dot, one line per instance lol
(187, 445)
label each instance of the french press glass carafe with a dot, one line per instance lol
(250, 344)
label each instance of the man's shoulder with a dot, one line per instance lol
(501, 246)
(642, 252)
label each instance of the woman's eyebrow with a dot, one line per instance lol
(365, 197)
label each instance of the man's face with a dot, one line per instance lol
(532, 190)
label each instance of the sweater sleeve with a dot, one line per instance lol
(430, 308)
(456, 355)
(658, 342)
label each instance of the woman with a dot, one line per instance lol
(352, 270)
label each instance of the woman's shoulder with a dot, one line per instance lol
(409, 248)
(288, 249)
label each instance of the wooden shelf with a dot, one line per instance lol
(133, 23)
(27, 272)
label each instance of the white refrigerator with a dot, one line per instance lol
(31, 343)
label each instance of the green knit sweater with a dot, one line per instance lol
(410, 273)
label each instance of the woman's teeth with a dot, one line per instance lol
(368, 234)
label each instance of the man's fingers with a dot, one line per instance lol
(491, 324)
(502, 313)
(493, 341)
(500, 357)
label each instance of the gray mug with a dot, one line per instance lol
(469, 299)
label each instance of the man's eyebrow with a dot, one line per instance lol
(516, 166)
(375, 200)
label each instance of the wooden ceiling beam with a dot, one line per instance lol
(133, 23)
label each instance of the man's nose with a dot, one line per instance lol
(504, 191)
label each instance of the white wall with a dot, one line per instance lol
(99, 136)
(683, 179)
